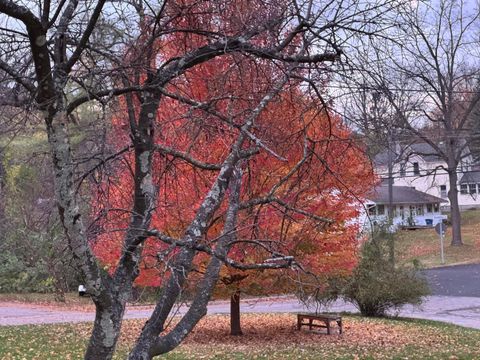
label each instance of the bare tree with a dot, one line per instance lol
(368, 110)
(433, 56)
(56, 56)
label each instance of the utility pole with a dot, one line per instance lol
(390, 198)
(390, 162)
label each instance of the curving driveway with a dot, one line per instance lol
(455, 299)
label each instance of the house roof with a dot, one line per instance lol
(403, 195)
(426, 151)
(471, 177)
(381, 159)
(423, 149)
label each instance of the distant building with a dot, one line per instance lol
(422, 168)
(410, 207)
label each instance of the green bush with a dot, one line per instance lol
(17, 277)
(377, 286)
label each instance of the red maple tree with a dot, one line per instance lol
(305, 166)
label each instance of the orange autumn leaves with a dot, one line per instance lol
(326, 183)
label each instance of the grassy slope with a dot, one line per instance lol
(267, 336)
(424, 245)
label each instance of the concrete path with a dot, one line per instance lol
(464, 311)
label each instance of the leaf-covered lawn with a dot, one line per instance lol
(424, 245)
(267, 336)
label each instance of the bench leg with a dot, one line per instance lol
(310, 322)
(328, 326)
(299, 323)
(340, 328)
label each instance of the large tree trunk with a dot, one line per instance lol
(149, 344)
(235, 326)
(106, 330)
(170, 292)
(454, 209)
(108, 318)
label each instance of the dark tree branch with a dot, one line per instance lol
(85, 36)
(279, 261)
(20, 12)
(166, 150)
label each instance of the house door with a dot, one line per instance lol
(413, 211)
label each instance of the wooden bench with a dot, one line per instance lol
(324, 319)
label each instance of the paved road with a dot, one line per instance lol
(456, 300)
(460, 280)
(463, 311)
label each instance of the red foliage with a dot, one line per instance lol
(326, 184)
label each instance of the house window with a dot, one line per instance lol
(429, 208)
(371, 210)
(402, 212)
(403, 170)
(420, 210)
(463, 189)
(436, 208)
(472, 188)
(443, 191)
(416, 169)
(380, 209)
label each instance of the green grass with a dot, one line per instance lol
(267, 336)
(424, 245)
(40, 342)
(34, 141)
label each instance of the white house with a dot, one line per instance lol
(422, 168)
(410, 207)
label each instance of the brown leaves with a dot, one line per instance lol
(273, 333)
(266, 336)
(280, 330)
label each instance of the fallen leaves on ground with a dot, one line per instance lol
(266, 336)
(274, 336)
(424, 245)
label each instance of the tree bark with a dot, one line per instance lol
(109, 308)
(235, 325)
(454, 209)
(144, 348)
(106, 330)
